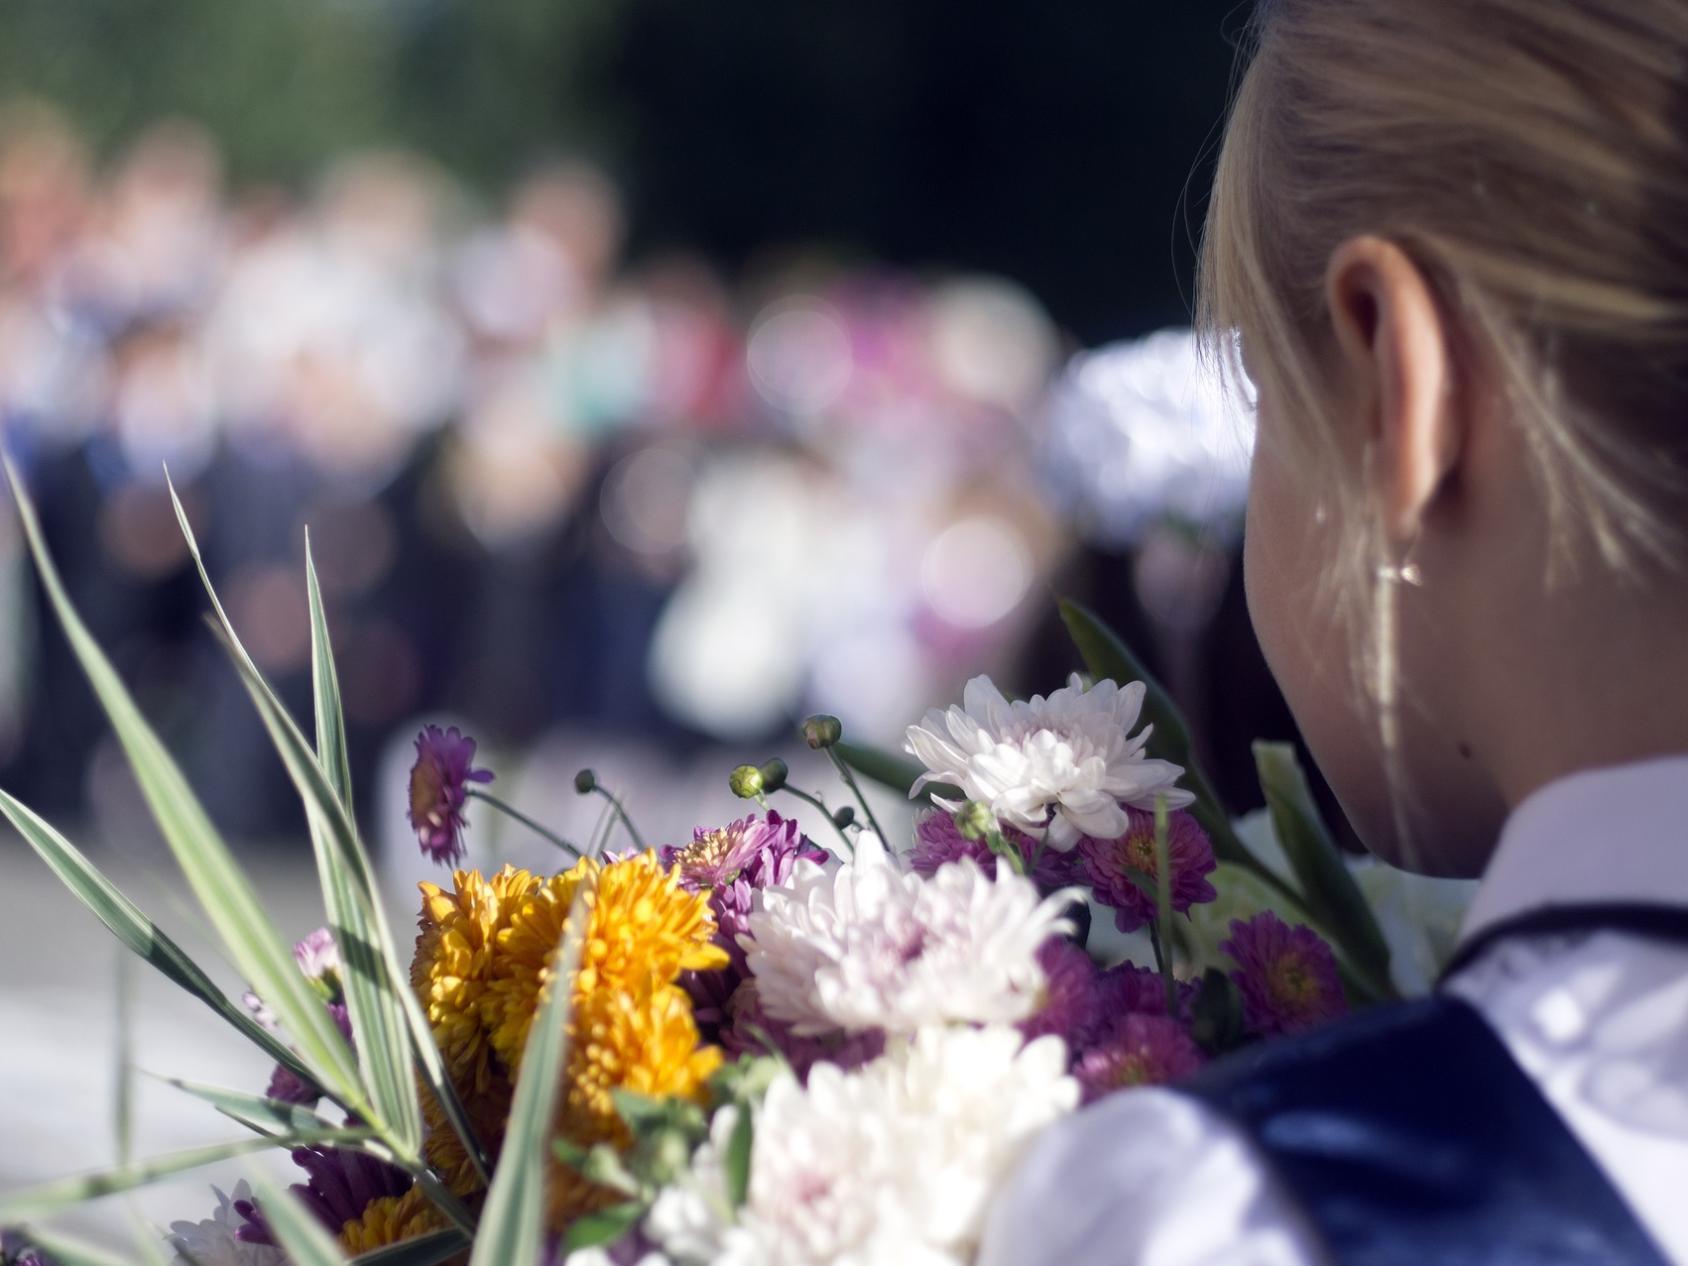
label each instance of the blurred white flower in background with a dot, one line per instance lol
(867, 945)
(1071, 752)
(1143, 431)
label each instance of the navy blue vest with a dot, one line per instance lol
(1409, 1136)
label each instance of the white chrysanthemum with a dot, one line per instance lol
(1061, 765)
(871, 946)
(212, 1242)
(893, 1164)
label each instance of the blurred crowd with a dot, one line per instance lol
(545, 485)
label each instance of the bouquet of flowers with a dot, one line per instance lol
(789, 1039)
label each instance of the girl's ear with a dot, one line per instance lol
(1392, 350)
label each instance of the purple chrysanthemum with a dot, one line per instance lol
(1130, 988)
(438, 787)
(342, 1185)
(939, 841)
(1137, 1050)
(1072, 1003)
(1287, 975)
(731, 864)
(1110, 866)
(751, 1030)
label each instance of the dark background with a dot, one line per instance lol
(1052, 143)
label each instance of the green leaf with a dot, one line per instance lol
(67, 1251)
(325, 686)
(230, 902)
(423, 1250)
(604, 1227)
(135, 930)
(67, 1193)
(736, 1161)
(512, 1222)
(256, 1112)
(372, 978)
(297, 1232)
(1333, 898)
(1105, 656)
(895, 772)
(333, 831)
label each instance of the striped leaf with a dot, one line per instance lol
(225, 894)
(423, 1250)
(68, 1251)
(256, 1112)
(67, 1193)
(136, 930)
(372, 979)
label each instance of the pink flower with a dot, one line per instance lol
(1111, 866)
(1287, 976)
(1138, 1050)
(438, 788)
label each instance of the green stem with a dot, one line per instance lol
(825, 813)
(1008, 852)
(523, 818)
(1163, 905)
(855, 790)
(620, 812)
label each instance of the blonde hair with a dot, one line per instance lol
(1531, 157)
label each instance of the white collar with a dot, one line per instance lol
(1616, 835)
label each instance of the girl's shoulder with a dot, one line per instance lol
(1401, 1135)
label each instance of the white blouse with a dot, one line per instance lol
(1598, 1020)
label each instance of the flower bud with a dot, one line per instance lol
(975, 821)
(822, 731)
(746, 782)
(586, 782)
(843, 816)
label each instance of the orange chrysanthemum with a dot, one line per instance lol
(454, 960)
(391, 1220)
(487, 961)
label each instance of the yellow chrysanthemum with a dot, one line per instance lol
(643, 929)
(645, 1040)
(641, 1039)
(454, 960)
(391, 1220)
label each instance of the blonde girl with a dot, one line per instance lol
(1448, 241)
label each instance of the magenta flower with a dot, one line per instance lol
(1287, 976)
(731, 864)
(1072, 1002)
(1110, 866)
(439, 783)
(1138, 1050)
(938, 841)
